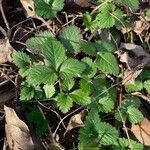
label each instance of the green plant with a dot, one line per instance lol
(71, 71)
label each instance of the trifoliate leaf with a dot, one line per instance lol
(91, 67)
(104, 46)
(107, 63)
(136, 86)
(148, 13)
(105, 18)
(41, 74)
(64, 102)
(71, 37)
(88, 48)
(71, 68)
(107, 134)
(80, 97)
(36, 43)
(48, 9)
(85, 86)
(123, 143)
(105, 104)
(49, 90)
(67, 84)
(21, 59)
(54, 52)
(134, 115)
(147, 86)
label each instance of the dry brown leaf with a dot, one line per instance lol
(17, 132)
(142, 132)
(5, 51)
(29, 7)
(135, 58)
(75, 121)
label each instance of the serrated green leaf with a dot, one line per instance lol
(49, 90)
(80, 97)
(67, 84)
(91, 67)
(147, 86)
(107, 63)
(107, 134)
(87, 18)
(123, 143)
(148, 13)
(145, 74)
(48, 9)
(71, 68)
(35, 44)
(88, 48)
(104, 46)
(71, 37)
(23, 72)
(121, 115)
(136, 86)
(134, 115)
(41, 74)
(131, 101)
(21, 59)
(105, 104)
(64, 102)
(85, 86)
(54, 52)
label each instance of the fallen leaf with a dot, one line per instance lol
(142, 131)
(75, 121)
(17, 132)
(28, 5)
(135, 59)
(5, 51)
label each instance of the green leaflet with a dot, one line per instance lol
(41, 74)
(80, 97)
(35, 44)
(148, 13)
(71, 37)
(147, 86)
(64, 102)
(54, 52)
(48, 8)
(71, 68)
(67, 84)
(49, 90)
(86, 86)
(107, 63)
(21, 59)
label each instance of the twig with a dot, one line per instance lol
(3, 32)
(4, 17)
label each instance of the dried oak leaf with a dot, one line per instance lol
(17, 132)
(135, 58)
(28, 5)
(5, 51)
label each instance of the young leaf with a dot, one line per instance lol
(134, 115)
(91, 67)
(48, 9)
(107, 63)
(41, 74)
(21, 59)
(49, 90)
(71, 68)
(64, 102)
(80, 97)
(147, 86)
(71, 37)
(54, 52)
